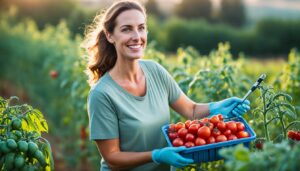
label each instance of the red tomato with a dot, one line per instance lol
(242, 134)
(83, 133)
(227, 132)
(195, 122)
(179, 125)
(216, 132)
(53, 74)
(200, 141)
(193, 129)
(221, 126)
(172, 135)
(177, 142)
(210, 125)
(291, 134)
(221, 138)
(204, 132)
(214, 120)
(232, 137)
(231, 125)
(189, 137)
(240, 126)
(187, 123)
(189, 144)
(295, 135)
(220, 117)
(182, 133)
(172, 128)
(211, 140)
(204, 120)
(259, 145)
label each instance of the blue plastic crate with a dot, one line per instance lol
(209, 152)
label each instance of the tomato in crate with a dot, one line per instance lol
(204, 138)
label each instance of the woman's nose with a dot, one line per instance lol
(136, 34)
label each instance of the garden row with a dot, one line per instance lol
(48, 66)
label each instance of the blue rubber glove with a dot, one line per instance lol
(171, 156)
(225, 107)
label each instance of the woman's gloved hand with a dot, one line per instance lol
(225, 107)
(171, 156)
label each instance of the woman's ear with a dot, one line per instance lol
(109, 37)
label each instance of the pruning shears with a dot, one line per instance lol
(253, 88)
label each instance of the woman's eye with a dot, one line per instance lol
(125, 30)
(142, 28)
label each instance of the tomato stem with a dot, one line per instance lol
(265, 114)
(291, 124)
(280, 115)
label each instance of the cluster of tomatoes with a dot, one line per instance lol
(205, 131)
(294, 135)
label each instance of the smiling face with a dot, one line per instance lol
(129, 35)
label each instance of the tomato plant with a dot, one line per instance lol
(274, 156)
(21, 144)
(276, 106)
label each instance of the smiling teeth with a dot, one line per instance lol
(135, 46)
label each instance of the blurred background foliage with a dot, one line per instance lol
(41, 60)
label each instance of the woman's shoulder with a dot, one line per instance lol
(102, 86)
(150, 64)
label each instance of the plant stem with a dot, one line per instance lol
(290, 124)
(282, 123)
(269, 121)
(283, 128)
(265, 116)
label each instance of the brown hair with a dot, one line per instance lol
(102, 54)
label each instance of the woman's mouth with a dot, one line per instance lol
(135, 47)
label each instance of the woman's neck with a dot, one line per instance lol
(126, 71)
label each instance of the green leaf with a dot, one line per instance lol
(291, 111)
(47, 151)
(38, 113)
(287, 96)
(44, 125)
(38, 122)
(29, 124)
(242, 154)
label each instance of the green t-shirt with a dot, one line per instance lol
(135, 120)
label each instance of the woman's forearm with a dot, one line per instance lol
(200, 110)
(125, 160)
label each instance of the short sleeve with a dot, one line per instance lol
(103, 120)
(172, 87)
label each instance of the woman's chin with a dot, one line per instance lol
(136, 56)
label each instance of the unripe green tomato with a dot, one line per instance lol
(40, 157)
(18, 134)
(32, 147)
(9, 160)
(11, 143)
(19, 161)
(16, 124)
(23, 146)
(4, 148)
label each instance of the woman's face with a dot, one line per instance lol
(130, 34)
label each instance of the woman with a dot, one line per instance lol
(129, 98)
